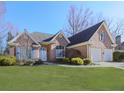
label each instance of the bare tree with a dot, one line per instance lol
(78, 20)
(25, 48)
(115, 27)
(5, 27)
(118, 28)
(2, 12)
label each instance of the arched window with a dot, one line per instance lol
(60, 51)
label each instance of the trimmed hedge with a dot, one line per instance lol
(7, 60)
(118, 56)
(87, 61)
(38, 62)
(74, 61)
(77, 61)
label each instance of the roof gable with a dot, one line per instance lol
(52, 38)
(25, 32)
(84, 35)
(108, 32)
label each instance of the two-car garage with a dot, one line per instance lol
(98, 55)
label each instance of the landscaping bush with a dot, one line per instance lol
(28, 62)
(60, 60)
(122, 56)
(63, 60)
(87, 61)
(38, 62)
(118, 56)
(77, 61)
(66, 60)
(7, 60)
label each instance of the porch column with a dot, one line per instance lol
(12, 51)
(88, 54)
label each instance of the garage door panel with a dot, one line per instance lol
(96, 54)
(107, 55)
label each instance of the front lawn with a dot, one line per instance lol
(60, 78)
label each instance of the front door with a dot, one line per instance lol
(43, 54)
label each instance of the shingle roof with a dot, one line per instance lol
(50, 38)
(39, 36)
(84, 35)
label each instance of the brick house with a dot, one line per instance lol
(94, 42)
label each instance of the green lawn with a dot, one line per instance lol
(60, 78)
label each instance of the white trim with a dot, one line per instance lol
(114, 45)
(59, 34)
(14, 39)
(80, 44)
(109, 33)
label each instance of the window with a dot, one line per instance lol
(23, 53)
(33, 53)
(102, 36)
(61, 38)
(60, 53)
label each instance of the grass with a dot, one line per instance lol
(60, 78)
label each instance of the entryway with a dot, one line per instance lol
(43, 54)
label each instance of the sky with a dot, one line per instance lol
(51, 16)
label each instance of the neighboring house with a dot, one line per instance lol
(94, 42)
(120, 47)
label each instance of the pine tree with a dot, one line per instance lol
(10, 36)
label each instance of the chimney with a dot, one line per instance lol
(118, 39)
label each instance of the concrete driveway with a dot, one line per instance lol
(112, 64)
(98, 64)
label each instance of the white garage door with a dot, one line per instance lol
(107, 55)
(95, 54)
